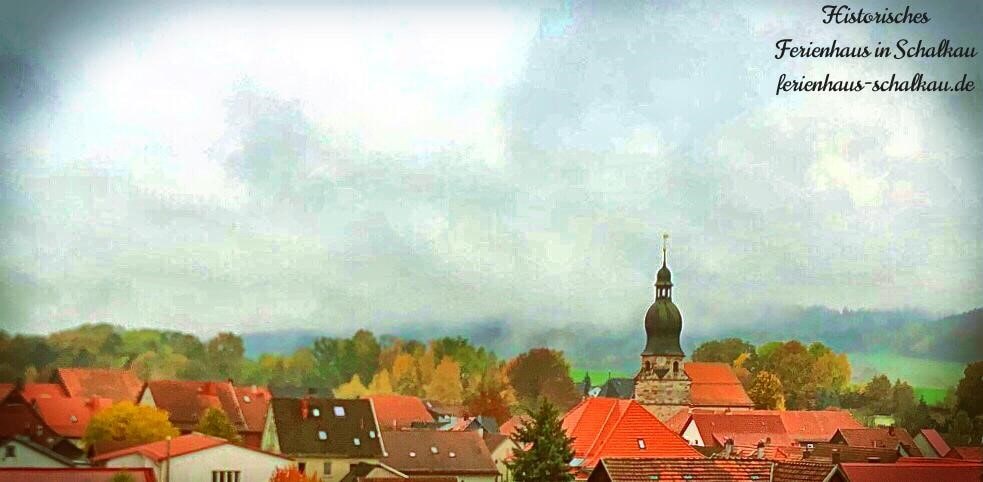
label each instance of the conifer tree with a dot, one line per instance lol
(544, 449)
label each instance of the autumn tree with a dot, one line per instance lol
(128, 423)
(216, 423)
(381, 383)
(405, 378)
(292, 474)
(724, 351)
(353, 389)
(445, 386)
(766, 391)
(544, 449)
(225, 355)
(542, 372)
(969, 391)
(122, 477)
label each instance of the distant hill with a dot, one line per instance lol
(908, 334)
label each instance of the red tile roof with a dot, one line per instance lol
(610, 427)
(684, 470)
(877, 437)
(744, 429)
(117, 385)
(73, 474)
(68, 416)
(812, 425)
(935, 440)
(969, 453)
(185, 401)
(715, 385)
(183, 445)
(254, 403)
(428, 452)
(399, 411)
(911, 472)
(677, 422)
(511, 425)
(801, 472)
(34, 391)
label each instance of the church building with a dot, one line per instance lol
(666, 383)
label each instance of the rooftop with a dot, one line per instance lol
(437, 453)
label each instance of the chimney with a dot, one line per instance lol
(808, 451)
(728, 447)
(835, 456)
(231, 381)
(890, 430)
(760, 453)
(304, 407)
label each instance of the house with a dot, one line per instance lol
(116, 385)
(427, 453)
(19, 417)
(69, 416)
(890, 437)
(186, 401)
(812, 426)
(76, 474)
(481, 424)
(931, 444)
(500, 447)
(197, 458)
(686, 469)
(512, 425)
(609, 427)
(397, 412)
(923, 469)
(21, 451)
(367, 471)
(714, 429)
(966, 453)
(715, 386)
(325, 436)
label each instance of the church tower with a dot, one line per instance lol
(661, 384)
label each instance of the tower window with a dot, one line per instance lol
(675, 367)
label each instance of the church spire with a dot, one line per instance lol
(663, 280)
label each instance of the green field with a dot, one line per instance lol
(918, 372)
(597, 377)
(932, 396)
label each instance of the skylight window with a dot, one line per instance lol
(245, 398)
(322, 435)
(576, 462)
(74, 419)
(371, 433)
(433, 449)
(315, 412)
(356, 441)
(412, 454)
(451, 454)
(339, 411)
(641, 443)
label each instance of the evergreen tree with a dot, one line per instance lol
(216, 423)
(544, 449)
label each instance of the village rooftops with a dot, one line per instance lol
(715, 385)
(77, 474)
(912, 470)
(185, 401)
(176, 447)
(891, 437)
(326, 427)
(116, 385)
(400, 411)
(716, 428)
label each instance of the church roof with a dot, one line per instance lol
(609, 427)
(715, 385)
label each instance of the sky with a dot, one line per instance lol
(209, 166)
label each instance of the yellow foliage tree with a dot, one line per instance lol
(766, 391)
(832, 371)
(426, 364)
(128, 423)
(380, 384)
(352, 389)
(446, 383)
(405, 377)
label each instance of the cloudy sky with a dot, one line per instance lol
(253, 166)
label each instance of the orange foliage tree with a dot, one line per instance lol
(291, 474)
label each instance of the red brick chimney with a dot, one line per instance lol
(305, 406)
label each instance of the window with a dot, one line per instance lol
(322, 435)
(433, 449)
(371, 433)
(73, 419)
(675, 367)
(225, 475)
(327, 469)
(641, 443)
(10, 451)
(356, 441)
(315, 412)
(451, 454)
(245, 398)
(339, 411)
(412, 454)
(302, 467)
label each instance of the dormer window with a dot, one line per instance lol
(315, 412)
(322, 435)
(641, 443)
(339, 411)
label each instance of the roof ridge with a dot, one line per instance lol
(590, 448)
